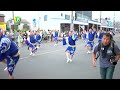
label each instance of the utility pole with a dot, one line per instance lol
(114, 20)
(72, 25)
(100, 18)
(39, 20)
(13, 19)
(100, 15)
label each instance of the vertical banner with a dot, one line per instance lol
(17, 19)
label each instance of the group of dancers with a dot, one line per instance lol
(33, 41)
(88, 37)
(9, 51)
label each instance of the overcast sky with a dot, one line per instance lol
(29, 15)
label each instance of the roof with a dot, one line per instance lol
(2, 15)
(24, 21)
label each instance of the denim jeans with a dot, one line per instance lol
(107, 72)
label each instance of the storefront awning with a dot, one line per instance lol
(107, 27)
(81, 23)
(93, 22)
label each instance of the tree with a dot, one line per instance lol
(7, 28)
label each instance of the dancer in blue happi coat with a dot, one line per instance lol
(71, 41)
(9, 54)
(38, 38)
(90, 41)
(55, 35)
(31, 42)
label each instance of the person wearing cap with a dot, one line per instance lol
(9, 54)
(72, 46)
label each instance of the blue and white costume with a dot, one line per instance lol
(56, 36)
(38, 38)
(9, 52)
(71, 40)
(99, 36)
(84, 37)
(31, 42)
(90, 39)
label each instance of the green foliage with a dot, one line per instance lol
(14, 31)
(7, 28)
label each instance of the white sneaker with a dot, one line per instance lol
(38, 47)
(5, 69)
(88, 52)
(68, 60)
(31, 54)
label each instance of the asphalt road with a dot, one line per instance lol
(50, 63)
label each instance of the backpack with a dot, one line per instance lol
(100, 48)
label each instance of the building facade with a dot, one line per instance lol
(106, 24)
(84, 15)
(59, 20)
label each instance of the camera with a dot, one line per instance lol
(112, 60)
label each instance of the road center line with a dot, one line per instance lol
(41, 54)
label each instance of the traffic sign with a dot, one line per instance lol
(17, 19)
(34, 20)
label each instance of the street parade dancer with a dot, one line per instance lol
(90, 41)
(9, 54)
(55, 37)
(71, 45)
(31, 42)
